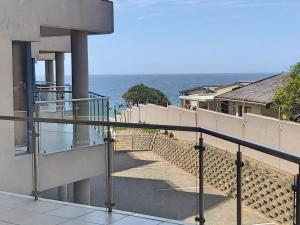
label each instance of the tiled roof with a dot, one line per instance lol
(261, 91)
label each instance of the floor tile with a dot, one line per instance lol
(70, 212)
(131, 220)
(41, 206)
(102, 217)
(3, 196)
(42, 219)
(2, 223)
(18, 210)
(14, 202)
(4, 208)
(168, 223)
(14, 215)
(76, 222)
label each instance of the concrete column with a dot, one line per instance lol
(60, 68)
(63, 193)
(80, 83)
(82, 192)
(60, 76)
(49, 72)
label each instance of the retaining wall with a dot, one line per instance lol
(267, 131)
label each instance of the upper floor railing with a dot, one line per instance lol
(57, 102)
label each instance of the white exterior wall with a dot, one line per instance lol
(262, 130)
(22, 20)
(47, 46)
(66, 167)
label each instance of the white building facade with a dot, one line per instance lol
(44, 30)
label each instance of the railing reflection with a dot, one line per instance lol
(60, 137)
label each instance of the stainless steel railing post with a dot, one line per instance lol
(36, 153)
(102, 115)
(98, 114)
(109, 167)
(239, 165)
(75, 126)
(297, 189)
(201, 148)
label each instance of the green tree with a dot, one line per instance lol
(141, 94)
(287, 97)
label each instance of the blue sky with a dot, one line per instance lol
(197, 36)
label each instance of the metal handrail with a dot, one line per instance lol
(95, 94)
(72, 100)
(42, 87)
(46, 89)
(239, 141)
(64, 91)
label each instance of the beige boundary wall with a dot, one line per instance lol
(259, 129)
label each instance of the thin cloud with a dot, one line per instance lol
(155, 8)
(204, 3)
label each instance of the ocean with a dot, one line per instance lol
(114, 86)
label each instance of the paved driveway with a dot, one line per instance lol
(145, 183)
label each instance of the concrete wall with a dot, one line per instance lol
(66, 167)
(266, 131)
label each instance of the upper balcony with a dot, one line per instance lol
(57, 102)
(54, 18)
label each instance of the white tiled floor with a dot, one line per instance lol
(22, 210)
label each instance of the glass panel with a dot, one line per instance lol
(20, 131)
(219, 186)
(155, 176)
(268, 197)
(61, 137)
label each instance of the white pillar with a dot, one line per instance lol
(80, 84)
(236, 109)
(49, 72)
(82, 190)
(63, 193)
(60, 68)
(80, 77)
(80, 89)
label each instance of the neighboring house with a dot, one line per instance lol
(254, 98)
(190, 97)
(204, 96)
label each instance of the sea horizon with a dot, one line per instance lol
(114, 85)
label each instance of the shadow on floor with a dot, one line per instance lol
(144, 195)
(125, 160)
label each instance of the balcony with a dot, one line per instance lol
(57, 103)
(150, 172)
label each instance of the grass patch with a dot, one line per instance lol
(152, 131)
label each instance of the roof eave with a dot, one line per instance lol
(243, 101)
